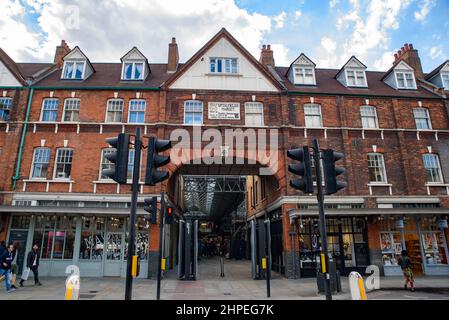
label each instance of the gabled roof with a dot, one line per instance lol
(353, 58)
(11, 66)
(223, 33)
(302, 55)
(437, 70)
(394, 67)
(82, 53)
(134, 49)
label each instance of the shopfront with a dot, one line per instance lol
(422, 236)
(347, 243)
(97, 245)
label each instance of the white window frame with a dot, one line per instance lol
(261, 113)
(223, 65)
(100, 175)
(312, 115)
(3, 107)
(42, 110)
(442, 74)
(133, 70)
(144, 109)
(429, 121)
(376, 121)
(383, 168)
(404, 73)
(65, 110)
(436, 160)
(64, 69)
(356, 84)
(107, 110)
(202, 113)
(302, 70)
(56, 164)
(33, 162)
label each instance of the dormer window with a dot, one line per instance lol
(304, 75)
(355, 78)
(405, 80)
(73, 70)
(133, 71)
(223, 65)
(445, 80)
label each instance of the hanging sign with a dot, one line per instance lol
(224, 110)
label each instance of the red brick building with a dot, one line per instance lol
(392, 126)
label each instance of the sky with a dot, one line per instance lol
(329, 32)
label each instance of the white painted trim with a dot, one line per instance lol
(42, 110)
(405, 81)
(356, 85)
(32, 164)
(55, 165)
(407, 199)
(64, 110)
(107, 106)
(202, 113)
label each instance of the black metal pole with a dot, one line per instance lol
(267, 254)
(161, 231)
(322, 219)
(132, 218)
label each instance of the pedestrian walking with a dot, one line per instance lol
(406, 266)
(14, 265)
(5, 266)
(33, 265)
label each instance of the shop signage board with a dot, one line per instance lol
(400, 224)
(224, 110)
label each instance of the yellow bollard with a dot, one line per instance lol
(264, 263)
(361, 289)
(68, 291)
(163, 264)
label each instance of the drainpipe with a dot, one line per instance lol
(22, 140)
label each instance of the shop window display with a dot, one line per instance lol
(390, 242)
(92, 238)
(55, 236)
(433, 242)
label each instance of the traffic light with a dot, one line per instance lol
(155, 160)
(169, 218)
(332, 185)
(151, 207)
(302, 169)
(119, 171)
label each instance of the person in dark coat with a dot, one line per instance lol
(406, 266)
(33, 264)
(5, 266)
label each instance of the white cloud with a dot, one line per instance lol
(298, 14)
(436, 52)
(364, 32)
(424, 10)
(280, 53)
(149, 25)
(333, 3)
(328, 44)
(280, 20)
(385, 61)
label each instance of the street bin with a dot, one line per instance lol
(335, 280)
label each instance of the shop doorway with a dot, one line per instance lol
(412, 244)
(114, 254)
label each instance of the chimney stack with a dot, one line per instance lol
(266, 56)
(60, 53)
(411, 57)
(173, 56)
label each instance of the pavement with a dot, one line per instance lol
(236, 285)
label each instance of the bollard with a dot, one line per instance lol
(72, 283)
(222, 266)
(357, 286)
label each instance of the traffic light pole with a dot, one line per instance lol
(132, 218)
(322, 219)
(161, 231)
